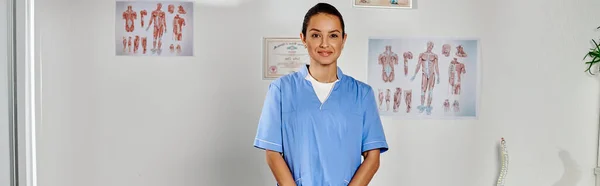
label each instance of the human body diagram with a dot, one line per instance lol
(388, 59)
(436, 71)
(155, 20)
(456, 72)
(428, 63)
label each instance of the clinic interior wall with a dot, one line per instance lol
(5, 170)
(109, 120)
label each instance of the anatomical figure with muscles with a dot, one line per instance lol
(397, 99)
(157, 17)
(429, 62)
(456, 70)
(129, 15)
(388, 59)
(178, 23)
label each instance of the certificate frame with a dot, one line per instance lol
(293, 43)
(357, 4)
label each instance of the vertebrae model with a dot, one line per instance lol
(504, 168)
(388, 59)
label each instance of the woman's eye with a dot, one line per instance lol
(315, 35)
(334, 35)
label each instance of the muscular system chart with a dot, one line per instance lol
(154, 28)
(442, 74)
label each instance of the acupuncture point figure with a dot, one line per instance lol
(319, 126)
(407, 55)
(397, 98)
(160, 27)
(129, 15)
(428, 61)
(388, 59)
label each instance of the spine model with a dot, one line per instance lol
(504, 168)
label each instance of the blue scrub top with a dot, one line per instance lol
(321, 143)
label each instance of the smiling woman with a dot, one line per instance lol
(318, 123)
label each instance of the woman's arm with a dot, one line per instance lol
(367, 169)
(280, 169)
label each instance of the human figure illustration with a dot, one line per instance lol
(129, 44)
(172, 48)
(380, 99)
(144, 42)
(178, 49)
(407, 55)
(446, 105)
(446, 50)
(387, 99)
(456, 71)
(394, 2)
(129, 15)
(178, 23)
(142, 14)
(136, 44)
(460, 51)
(124, 44)
(388, 59)
(171, 9)
(408, 99)
(160, 26)
(397, 98)
(180, 10)
(429, 62)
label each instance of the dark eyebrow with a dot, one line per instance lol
(317, 30)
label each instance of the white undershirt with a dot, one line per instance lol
(321, 89)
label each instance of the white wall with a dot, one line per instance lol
(125, 121)
(4, 121)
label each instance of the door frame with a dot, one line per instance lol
(23, 91)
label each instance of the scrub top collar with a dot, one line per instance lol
(340, 75)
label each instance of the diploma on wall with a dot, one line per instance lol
(282, 56)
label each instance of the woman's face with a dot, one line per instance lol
(324, 40)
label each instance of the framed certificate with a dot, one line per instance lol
(402, 4)
(282, 56)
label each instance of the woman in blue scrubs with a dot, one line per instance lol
(318, 124)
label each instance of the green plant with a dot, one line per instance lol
(594, 54)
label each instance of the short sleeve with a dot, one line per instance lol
(373, 136)
(268, 134)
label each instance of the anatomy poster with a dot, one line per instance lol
(383, 3)
(154, 28)
(420, 77)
